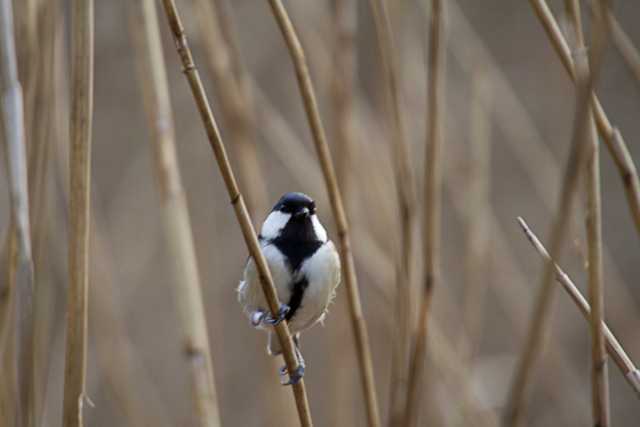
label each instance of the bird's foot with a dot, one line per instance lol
(264, 317)
(293, 378)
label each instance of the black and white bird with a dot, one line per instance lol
(305, 268)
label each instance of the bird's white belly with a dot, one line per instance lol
(322, 271)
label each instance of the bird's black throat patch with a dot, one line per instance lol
(297, 242)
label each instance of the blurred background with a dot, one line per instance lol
(507, 130)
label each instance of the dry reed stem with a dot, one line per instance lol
(224, 65)
(477, 192)
(538, 328)
(82, 54)
(405, 189)
(436, 69)
(342, 91)
(614, 348)
(9, 404)
(175, 215)
(599, 373)
(615, 143)
(346, 257)
(237, 201)
(13, 135)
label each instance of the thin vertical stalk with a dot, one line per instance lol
(538, 327)
(175, 215)
(249, 234)
(477, 193)
(614, 141)
(599, 371)
(346, 257)
(344, 24)
(405, 189)
(614, 348)
(224, 66)
(432, 199)
(82, 54)
(13, 135)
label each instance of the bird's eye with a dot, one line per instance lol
(312, 208)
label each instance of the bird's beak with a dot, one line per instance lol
(302, 213)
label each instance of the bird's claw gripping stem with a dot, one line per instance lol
(294, 378)
(260, 316)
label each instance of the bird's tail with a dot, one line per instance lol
(273, 345)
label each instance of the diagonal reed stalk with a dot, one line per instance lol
(237, 201)
(614, 348)
(432, 200)
(405, 190)
(82, 53)
(175, 215)
(615, 143)
(21, 296)
(346, 256)
(599, 372)
(586, 74)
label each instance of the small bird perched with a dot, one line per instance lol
(305, 268)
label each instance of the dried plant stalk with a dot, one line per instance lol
(477, 194)
(614, 141)
(237, 201)
(432, 200)
(346, 256)
(405, 189)
(175, 215)
(79, 201)
(599, 373)
(13, 135)
(538, 326)
(223, 63)
(614, 348)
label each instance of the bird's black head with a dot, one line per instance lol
(298, 205)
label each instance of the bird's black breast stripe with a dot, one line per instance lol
(295, 301)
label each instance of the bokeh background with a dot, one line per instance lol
(527, 104)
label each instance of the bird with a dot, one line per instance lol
(305, 268)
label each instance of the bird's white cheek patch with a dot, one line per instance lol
(321, 233)
(274, 223)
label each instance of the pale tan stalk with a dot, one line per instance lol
(342, 91)
(432, 202)
(13, 135)
(9, 402)
(225, 68)
(615, 143)
(405, 190)
(175, 215)
(477, 193)
(237, 201)
(614, 348)
(599, 372)
(82, 55)
(346, 257)
(538, 326)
